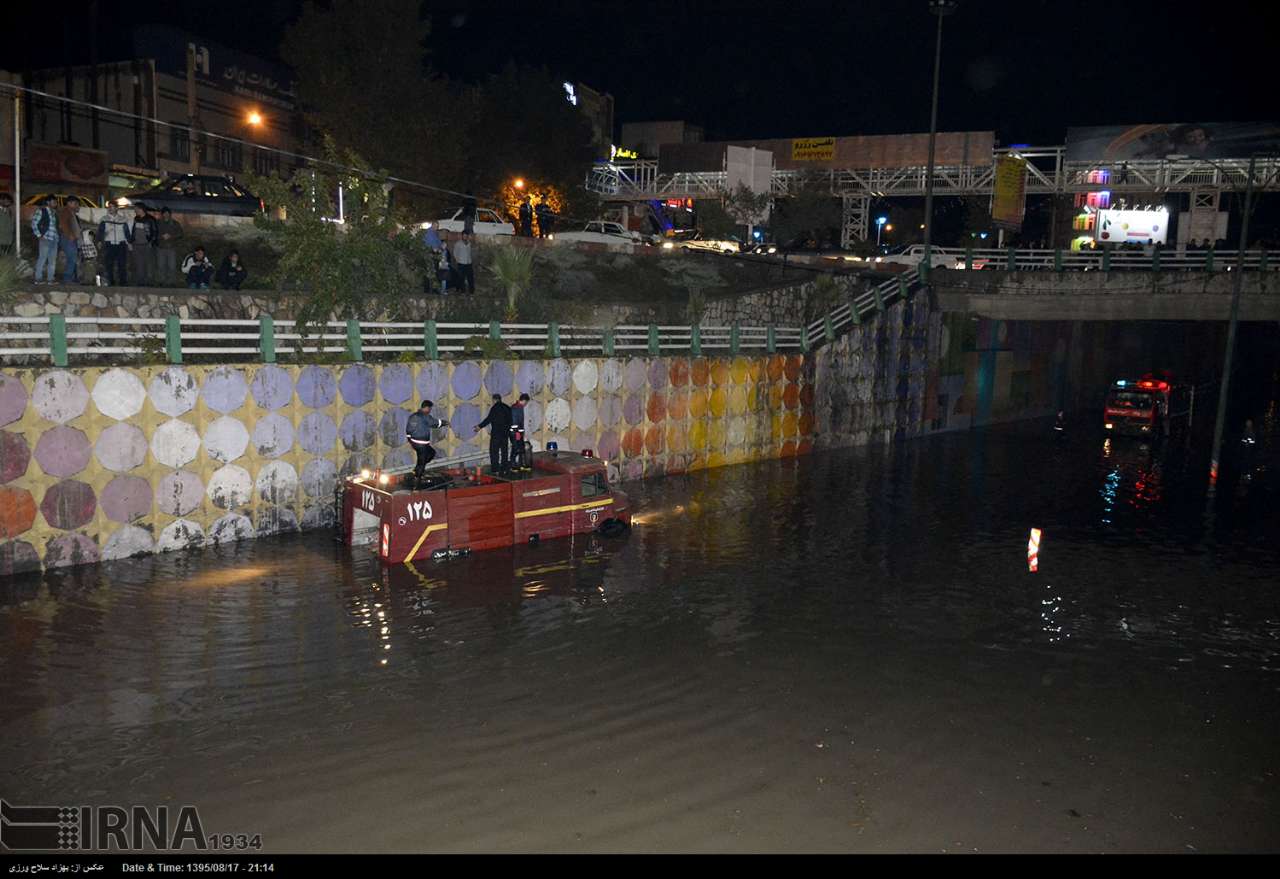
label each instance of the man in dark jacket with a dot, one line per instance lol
(526, 218)
(499, 423)
(468, 213)
(142, 253)
(231, 273)
(545, 217)
(417, 430)
(518, 460)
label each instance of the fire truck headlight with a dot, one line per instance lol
(364, 474)
(384, 479)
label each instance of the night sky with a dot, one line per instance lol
(1026, 69)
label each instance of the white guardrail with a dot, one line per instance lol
(59, 339)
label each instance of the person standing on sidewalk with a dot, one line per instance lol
(543, 210)
(166, 250)
(6, 224)
(526, 218)
(44, 225)
(69, 240)
(114, 235)
(444, 268)
(143, 253)
(468, 213)
(462, 259)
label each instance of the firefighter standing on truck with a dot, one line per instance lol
(417, 431)
(517, 433)
(499, 422)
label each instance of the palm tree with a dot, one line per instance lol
(513, 268)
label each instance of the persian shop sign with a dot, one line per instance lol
(1117, 227)
(617, 152)
(1009, 199)
(813, 149)
(66, 164)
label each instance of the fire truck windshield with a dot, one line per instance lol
(1131, 400)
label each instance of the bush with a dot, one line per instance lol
(513, 269)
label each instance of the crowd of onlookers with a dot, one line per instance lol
(130, 247)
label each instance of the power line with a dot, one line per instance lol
(300, 157)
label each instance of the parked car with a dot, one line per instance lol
(487, 223)
(198, 194)
(912, 255)
(699, 243)
(602, 232)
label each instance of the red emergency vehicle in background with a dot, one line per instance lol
(459, 510)
(1150, 406)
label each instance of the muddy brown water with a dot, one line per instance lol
(840, 653)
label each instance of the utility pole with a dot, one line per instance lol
(192, 112)
(1220, 424)
(17, 174)
(93, 73)
(939, 8)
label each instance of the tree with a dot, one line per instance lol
(367, 267)
(520, 125)
(809, 213)
(364, 82)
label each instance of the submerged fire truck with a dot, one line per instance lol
(456, 510)
(1151, 406)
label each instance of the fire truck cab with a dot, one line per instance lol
(1150, 406)
(459, 510)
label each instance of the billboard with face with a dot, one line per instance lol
(1195, 140)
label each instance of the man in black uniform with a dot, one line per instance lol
(417, 431)
(499, 423)
(526, 218)
(518, 458)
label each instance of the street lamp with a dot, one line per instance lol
(519, 183)
(880, 221)
(940, 8)
(254, 118)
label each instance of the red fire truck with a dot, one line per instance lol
(1150, 406)
(459, 510)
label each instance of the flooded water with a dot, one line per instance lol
(844, 652)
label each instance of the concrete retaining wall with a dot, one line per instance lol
(99, 464)
(914, 370)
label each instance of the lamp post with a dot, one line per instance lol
(1219, 424)
(940, 8)
(880, 221)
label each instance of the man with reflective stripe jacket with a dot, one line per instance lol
(417, 430)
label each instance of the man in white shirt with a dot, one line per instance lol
(462, 259)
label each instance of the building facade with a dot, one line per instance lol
(245, 112)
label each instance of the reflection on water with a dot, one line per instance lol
(746, 601)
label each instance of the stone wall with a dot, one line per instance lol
(99, 464)
(784, 306)
(166, 301)
(781, 306)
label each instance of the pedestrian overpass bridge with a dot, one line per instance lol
(1048, 173)
(1056, 285)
